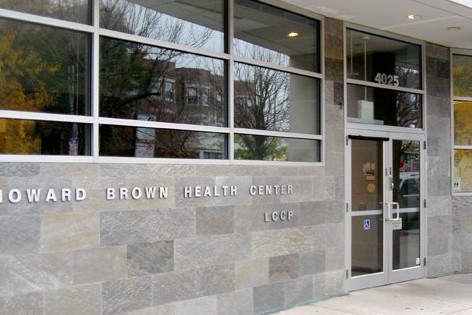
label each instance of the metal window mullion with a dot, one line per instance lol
(161, 44)
(11, 114)
(384, 86)
(288, 69)
(160, 125)
(230, 80)
(95, 78)
(462, 99)
(46, 21)
(279, 134)
(46, 158)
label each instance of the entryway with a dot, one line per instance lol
(385, 203)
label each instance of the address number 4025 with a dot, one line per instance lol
(387, 79)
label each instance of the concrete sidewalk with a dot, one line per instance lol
(445, 295)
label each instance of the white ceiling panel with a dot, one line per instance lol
(441, 21)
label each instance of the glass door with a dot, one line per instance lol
(384, 209)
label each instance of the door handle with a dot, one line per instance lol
(396, 207)
(390, 207)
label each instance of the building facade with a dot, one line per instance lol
(223, 157)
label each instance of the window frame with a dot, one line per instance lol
(347, 81)
(229, 57)
(454, 99)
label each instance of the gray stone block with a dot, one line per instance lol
(31, 304)
(211, 250)
(269, 298)
(146, 226)
(122, 296)
(77, 300)
(298, 291)
(191, 284)
(312, 262)
(313, 213)
(235, 303)
(285, 242)
(205, 305)
(23, 274)
(215, 220)
(69, 231)
(19, 234)
(101, 264)
(283, 267)
(252, 273)
(20, 169)
(150, 258)
(168, 309)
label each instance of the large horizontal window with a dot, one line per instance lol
(44, 137)
(273, 35)
(139, 81)
(69, 10)
(263, 148)
(44, 69)
(383, 60)
(162, 143)
(380, 106)
(214, 80)
(271, 100)
(193, 23)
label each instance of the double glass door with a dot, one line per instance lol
(384, 209)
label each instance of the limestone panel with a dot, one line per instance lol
(168, 309)
(19, 234)
(122, 296)
(298, 291)
(252, 273)
(100, 264)
(69, 231)
(146, 226)
(211, 250)
(312, 262)
(77, 300)
(150, 258)
(235, 303)
(439, 235)
(22, 274)
(313, 213)
(285, 242)
(215, 220)
(31, 304)
(269, 298)
(205, 305)
(20, 169)
(283, 268)
(191, 284)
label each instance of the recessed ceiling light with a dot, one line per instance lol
(414, 16)
(292, 34)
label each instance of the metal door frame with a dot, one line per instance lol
(388, 275)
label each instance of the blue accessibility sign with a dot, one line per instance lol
(367, 225)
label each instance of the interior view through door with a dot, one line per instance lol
(384, 211)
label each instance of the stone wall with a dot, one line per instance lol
(93, 239)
